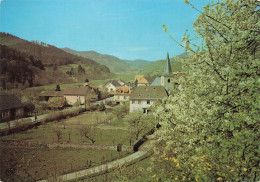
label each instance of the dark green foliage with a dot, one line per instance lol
(57, 88)
(17, 68)
(81, 70)
(102, 107)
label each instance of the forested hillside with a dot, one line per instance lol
(18, 70)
(51, 55)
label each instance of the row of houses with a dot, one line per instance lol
(71, 95)
(12, 108)
(144, 93)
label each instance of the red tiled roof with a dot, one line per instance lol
(122, 91)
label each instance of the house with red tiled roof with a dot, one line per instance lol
(121, 94)
(140, 80)
(111, 86)
(10, 108)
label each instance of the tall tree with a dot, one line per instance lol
(210, 128)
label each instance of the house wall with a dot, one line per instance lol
(11, 114)
(5, 115)
(140, 104)
(121, 98)
(110, 87)
(19, 112)
(72, 99)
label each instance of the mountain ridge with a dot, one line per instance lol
(52, 56)
(114, 63)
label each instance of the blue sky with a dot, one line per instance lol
(128, 29)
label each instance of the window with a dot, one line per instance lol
(148, 102)
(124, 97)
(133, 101)
(118, 97)
(144, 110)
(169, 80)
(139, 101)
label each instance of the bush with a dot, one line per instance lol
(62, 114)
(102, 107)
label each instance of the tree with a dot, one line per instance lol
(139, 123)
(81, 70)
(102, 106)
(121, 110)
(58, 131)
(85, 131)
(210, 126)
(57, 88)
(55, 67)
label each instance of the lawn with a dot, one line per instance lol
(70, 131)
(21, 163)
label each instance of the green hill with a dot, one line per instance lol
(155, 68)
(52, 56)
(115, 64)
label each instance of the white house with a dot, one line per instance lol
(111, 86)
(121, 94)
(142, 98)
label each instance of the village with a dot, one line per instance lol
(82, 117)
(140, 94)
(129, 90)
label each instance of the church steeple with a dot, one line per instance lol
(167, 69)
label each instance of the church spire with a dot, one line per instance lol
(167, 69)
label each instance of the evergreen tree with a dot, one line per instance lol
(57, 88)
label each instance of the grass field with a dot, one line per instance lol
(22, 163)
(70, 131)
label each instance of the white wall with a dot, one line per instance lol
(121, 98)
(109, 87)
(72, 99)
(140, 106)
